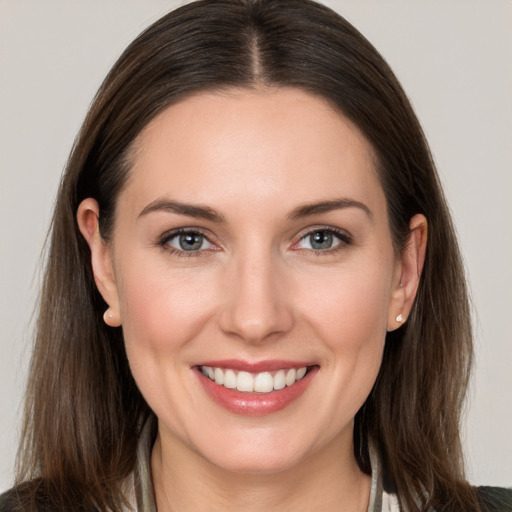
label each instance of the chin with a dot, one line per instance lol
(257, 464)
(262, 452)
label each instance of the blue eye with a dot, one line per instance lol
(321, 240)
(188, 241)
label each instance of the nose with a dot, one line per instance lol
(257, 306)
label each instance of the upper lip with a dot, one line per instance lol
(256, 366)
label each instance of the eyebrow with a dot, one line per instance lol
(197, 211)
(207, 213)
(328, 206)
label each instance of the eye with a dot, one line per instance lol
(188, 241)
(322, 240)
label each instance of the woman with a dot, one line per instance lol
(241, 307)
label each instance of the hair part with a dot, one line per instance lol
(83, 409)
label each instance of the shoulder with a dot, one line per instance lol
(492, 499)
(495, 499)
(37, 496)
(8, 501)
(25, 497)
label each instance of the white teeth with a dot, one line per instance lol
(290, 377)
(229, 378)
(245, 382)
(218, 375)
(300, 373)
(263, 382)
(279, 380)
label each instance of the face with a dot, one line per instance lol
(251, 249)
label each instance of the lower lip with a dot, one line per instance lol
(255, 404)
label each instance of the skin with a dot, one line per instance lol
(256, 290)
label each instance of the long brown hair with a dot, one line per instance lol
(83, 409)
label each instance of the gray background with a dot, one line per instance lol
(454, 59)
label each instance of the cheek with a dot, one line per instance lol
(162, 308)
(357, 340)
(348, 305)
(349, 314)
(163, 312)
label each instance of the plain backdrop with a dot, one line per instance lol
(454, 59)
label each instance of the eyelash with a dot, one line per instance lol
(345, 240)
(168, 236)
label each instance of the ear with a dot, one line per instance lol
(408, 272)
(101, 259)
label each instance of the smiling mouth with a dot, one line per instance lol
(261, 382)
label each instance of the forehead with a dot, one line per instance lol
(282, 144)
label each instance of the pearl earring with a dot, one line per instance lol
(107, 316)
(399, 318)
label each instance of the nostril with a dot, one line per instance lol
(255, 325)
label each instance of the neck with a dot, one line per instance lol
(329, 480)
